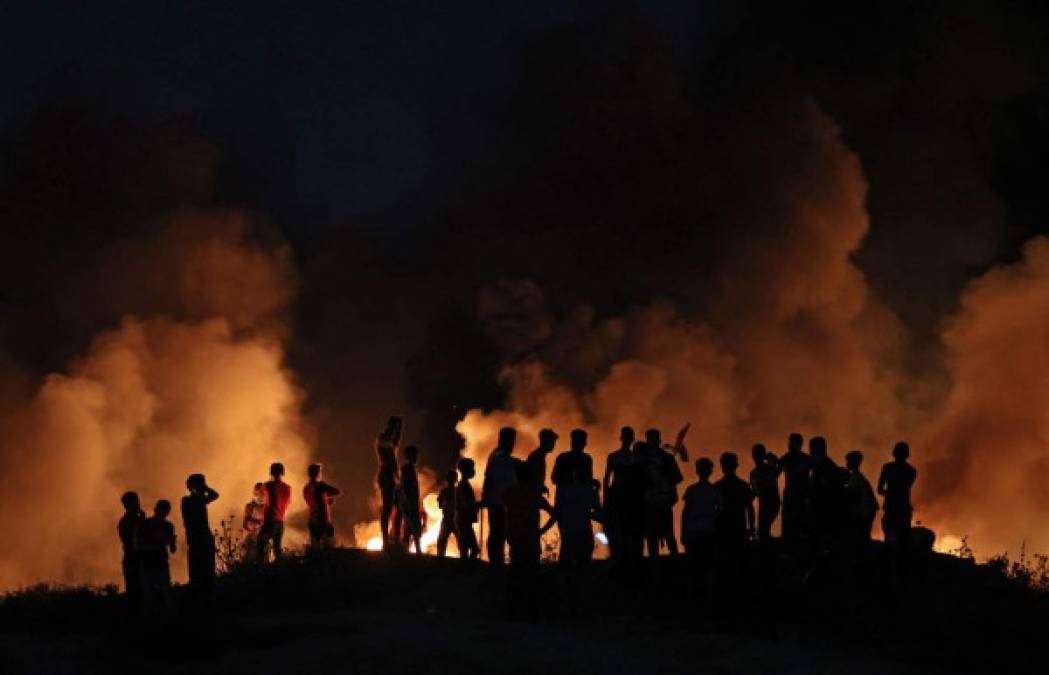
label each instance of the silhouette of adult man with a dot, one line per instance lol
(129, 529)
(386, 444)
(466, 509)
(200, 542)
(278, 496)
(621, 468)
(523, 503)
(860, 503)
(319, 496)
(574, 501)
(894, 484)
(660, 495)
(826, 494)
(499, 474)
(796, 465)
(446, 502)
(764, 483)
(699, 517)
(536, 460)
(736, 515)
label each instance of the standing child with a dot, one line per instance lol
(158, 540)
(466, 511)
(446, 502)
(254, 513)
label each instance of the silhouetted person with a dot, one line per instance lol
(621, 469)
(736, 517)
(536, 460)
(129, 529)
(319, 496)
(466, 508)
(386, 445)
(860, 503)
(699, 518)
(156, 543)
(499, 474)
(573, 476)
(631, 486)
(200, 542)
(826, 494)
(446, 502)
(795, 464)
(409, 506)
(894, 484)
(254, 514)
(661, 495)
(523, 502)
(764, 483)
(278, 496)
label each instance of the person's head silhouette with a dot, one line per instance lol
(394, 425)
(259, 493)
(467, 468)
(729, 463)
(759, 452)
(131, 502)
(654, 438)
(626, 437)
(162, 509)
(196, 483)
(411, 453)
(640, 447)
(818, 447)
(547, 440)
(901, 451)
(313, 471)
(507, 439)
(853, 459)
(795, 442)
(276, 470)
(578, 440)
(704, 467)
(451, 477)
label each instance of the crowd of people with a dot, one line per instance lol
(148, 541)
(822, 504)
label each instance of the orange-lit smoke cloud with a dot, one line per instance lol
(153, 400)
(796, 342)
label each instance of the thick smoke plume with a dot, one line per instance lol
(155, 399)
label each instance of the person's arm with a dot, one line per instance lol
(675, 471)
(750, 517)
(210, 495)
(331, 490)
(608, 475)
(172, 540)
(882, 482)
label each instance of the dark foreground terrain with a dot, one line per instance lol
(355, 612)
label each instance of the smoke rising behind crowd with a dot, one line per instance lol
(736, 235)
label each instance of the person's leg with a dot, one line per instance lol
(442, 538)
(386, 496)
(667, 528)
(496, 544)
(278, 540)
